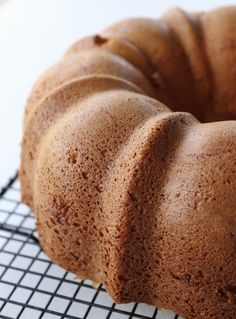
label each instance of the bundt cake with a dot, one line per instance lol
(130, 189)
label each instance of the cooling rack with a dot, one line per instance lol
(32, 287)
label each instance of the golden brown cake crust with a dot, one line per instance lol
(129, 188)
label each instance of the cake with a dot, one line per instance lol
(129, 161)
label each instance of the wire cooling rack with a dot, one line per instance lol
(32, 287)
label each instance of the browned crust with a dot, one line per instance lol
(125, 191)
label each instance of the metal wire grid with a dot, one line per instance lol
(31, 286)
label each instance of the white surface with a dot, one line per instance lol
(35, 33)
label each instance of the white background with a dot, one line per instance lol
(35, 33)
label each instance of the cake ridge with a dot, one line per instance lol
(70, 90)
(132, 158)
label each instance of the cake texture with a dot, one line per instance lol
(129, 161)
